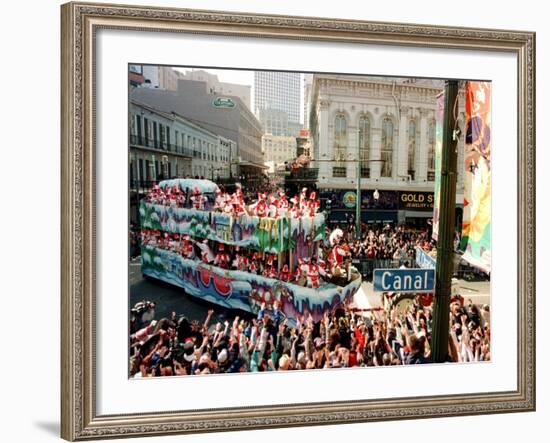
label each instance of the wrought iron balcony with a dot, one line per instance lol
(140, 141)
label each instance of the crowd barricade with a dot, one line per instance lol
(469, 273)
(366, 266)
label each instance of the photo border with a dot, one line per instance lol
(80, 22)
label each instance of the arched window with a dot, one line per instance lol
(412, 149)
(386, 149)
(364, 145)
(431, 150)
(340, 145)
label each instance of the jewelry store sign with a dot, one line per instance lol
(416, 201)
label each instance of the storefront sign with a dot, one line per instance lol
(417, 201)
(349, 199)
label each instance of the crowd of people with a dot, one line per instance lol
(237, 203)
(395, 242)
(270, 342)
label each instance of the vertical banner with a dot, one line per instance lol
(476, 225)
(440, 112)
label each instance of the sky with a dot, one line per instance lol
(228, 75)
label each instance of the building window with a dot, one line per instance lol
(386, 148)
(339, 171)
(138, 129)
(161, 136)
(364, 145)
(340, 145)
(155, 135)
(411, 149)
(431, 150)
(146, 128)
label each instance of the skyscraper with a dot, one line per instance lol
(278, 91)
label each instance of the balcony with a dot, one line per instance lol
(157, 145)
(303, 175)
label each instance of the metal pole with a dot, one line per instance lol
(358, 200)
(445, 252)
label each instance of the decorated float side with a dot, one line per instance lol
(191, 239)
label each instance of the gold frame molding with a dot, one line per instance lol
(79, 22)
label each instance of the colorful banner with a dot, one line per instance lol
(476, 224)
(439, 114)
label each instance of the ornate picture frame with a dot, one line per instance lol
(80, 22)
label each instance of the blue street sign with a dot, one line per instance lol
(404, 280)
(424, 260)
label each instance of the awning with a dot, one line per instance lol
(366, 216)
(419, 214)
(252, 165)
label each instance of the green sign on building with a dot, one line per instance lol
(223, 102)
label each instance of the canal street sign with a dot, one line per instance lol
(404, 280)
(223, 102)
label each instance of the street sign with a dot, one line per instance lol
(424, 260)
(404, 280)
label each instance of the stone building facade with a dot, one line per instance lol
(386, 124)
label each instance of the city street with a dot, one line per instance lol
(170, 298)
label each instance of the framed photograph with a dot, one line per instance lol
(277, 221)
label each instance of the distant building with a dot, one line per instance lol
(161, 77)
(303, 144)
(275, 122)
(278, 91)
(135, 76)
(225, 116)
(166, 145)
(279, 148)
(308, 82)
(214, 86)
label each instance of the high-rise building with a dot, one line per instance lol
(308, 83)
(279, 91)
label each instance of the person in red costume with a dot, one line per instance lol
(260, 208)
(222, 258)
(284, 275)
(313, 205)
(187, 250)
(198, 199)
(313, 274)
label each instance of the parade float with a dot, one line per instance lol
(187, 244)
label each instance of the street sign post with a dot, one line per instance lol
(404, 280)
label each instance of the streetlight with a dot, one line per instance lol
(376, 195)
